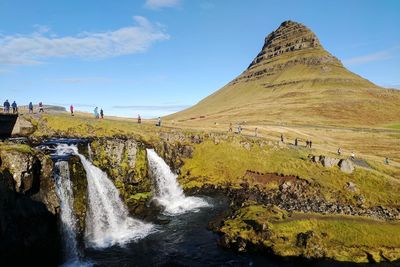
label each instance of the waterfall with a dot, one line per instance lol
(90, 153)
(168, 191)
(107, 220)
(68, 220)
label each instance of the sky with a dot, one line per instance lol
(155, 57)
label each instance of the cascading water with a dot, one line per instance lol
(168, 191)
(107, 220)
(90, 153)
(68, 220)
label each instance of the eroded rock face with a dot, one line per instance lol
(125, 162)
(28, 209)
(32, 176)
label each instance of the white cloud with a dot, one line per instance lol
(367, 58)
(156, 4)
(32, 48)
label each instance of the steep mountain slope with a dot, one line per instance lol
(294, 79)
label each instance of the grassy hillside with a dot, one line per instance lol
(306, 86)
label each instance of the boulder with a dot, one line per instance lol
(328, 162)
(346, 166)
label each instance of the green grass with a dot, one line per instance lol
(228, 161)
(394, 126)
(344, 238)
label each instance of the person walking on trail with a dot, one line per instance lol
(101, 113)
(307, 143)
(353, 156)
(71, 108)
(30, 106)
(255, 132)
(6, 106)
(14, 107)
(96, 112)
(310, 143)
(386, 161)
(41, 107)
(282, 138)
(295, 142)
(239, 129)
(139, 119)
(339, 151)
(158, 122)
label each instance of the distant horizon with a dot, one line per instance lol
(159, 57)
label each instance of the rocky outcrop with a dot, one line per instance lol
(125, 162)
(345, 165)
(28, 208)
(79, 189)
(32, 174)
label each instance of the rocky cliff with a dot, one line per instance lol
(28, 207)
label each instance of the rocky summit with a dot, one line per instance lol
(293, 79)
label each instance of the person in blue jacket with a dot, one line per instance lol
(30, 107)
(14, 107)
(6, 106)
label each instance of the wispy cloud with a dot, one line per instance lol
(390, 53)
(76, 80)
(157, 4)
(383, 55)
(32, 48)
(152, 108)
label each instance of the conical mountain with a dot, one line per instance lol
(295, 80)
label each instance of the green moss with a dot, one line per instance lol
(144, 196)
(22, 148)
(343, 238)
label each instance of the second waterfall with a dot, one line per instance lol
(168, 191)
(107, 221)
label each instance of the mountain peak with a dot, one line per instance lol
(290, 36)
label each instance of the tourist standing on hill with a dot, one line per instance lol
(255, 132)
(282, 138)
(101, 113)
(6, 106)
(14, 107)
(41, 107)
(339, 151)
(159, 122)
(310, 143)
(71, 108)
(139, 119)
(30, 106)
(386, 161)
(296, 142)
(96, 112)
(353, 156)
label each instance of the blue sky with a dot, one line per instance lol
(155, 57)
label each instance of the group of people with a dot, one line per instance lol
(98, 115)
(14, 107)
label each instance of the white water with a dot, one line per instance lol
(168, 191)
(107, 220)
(90, 153)
(68, 219)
